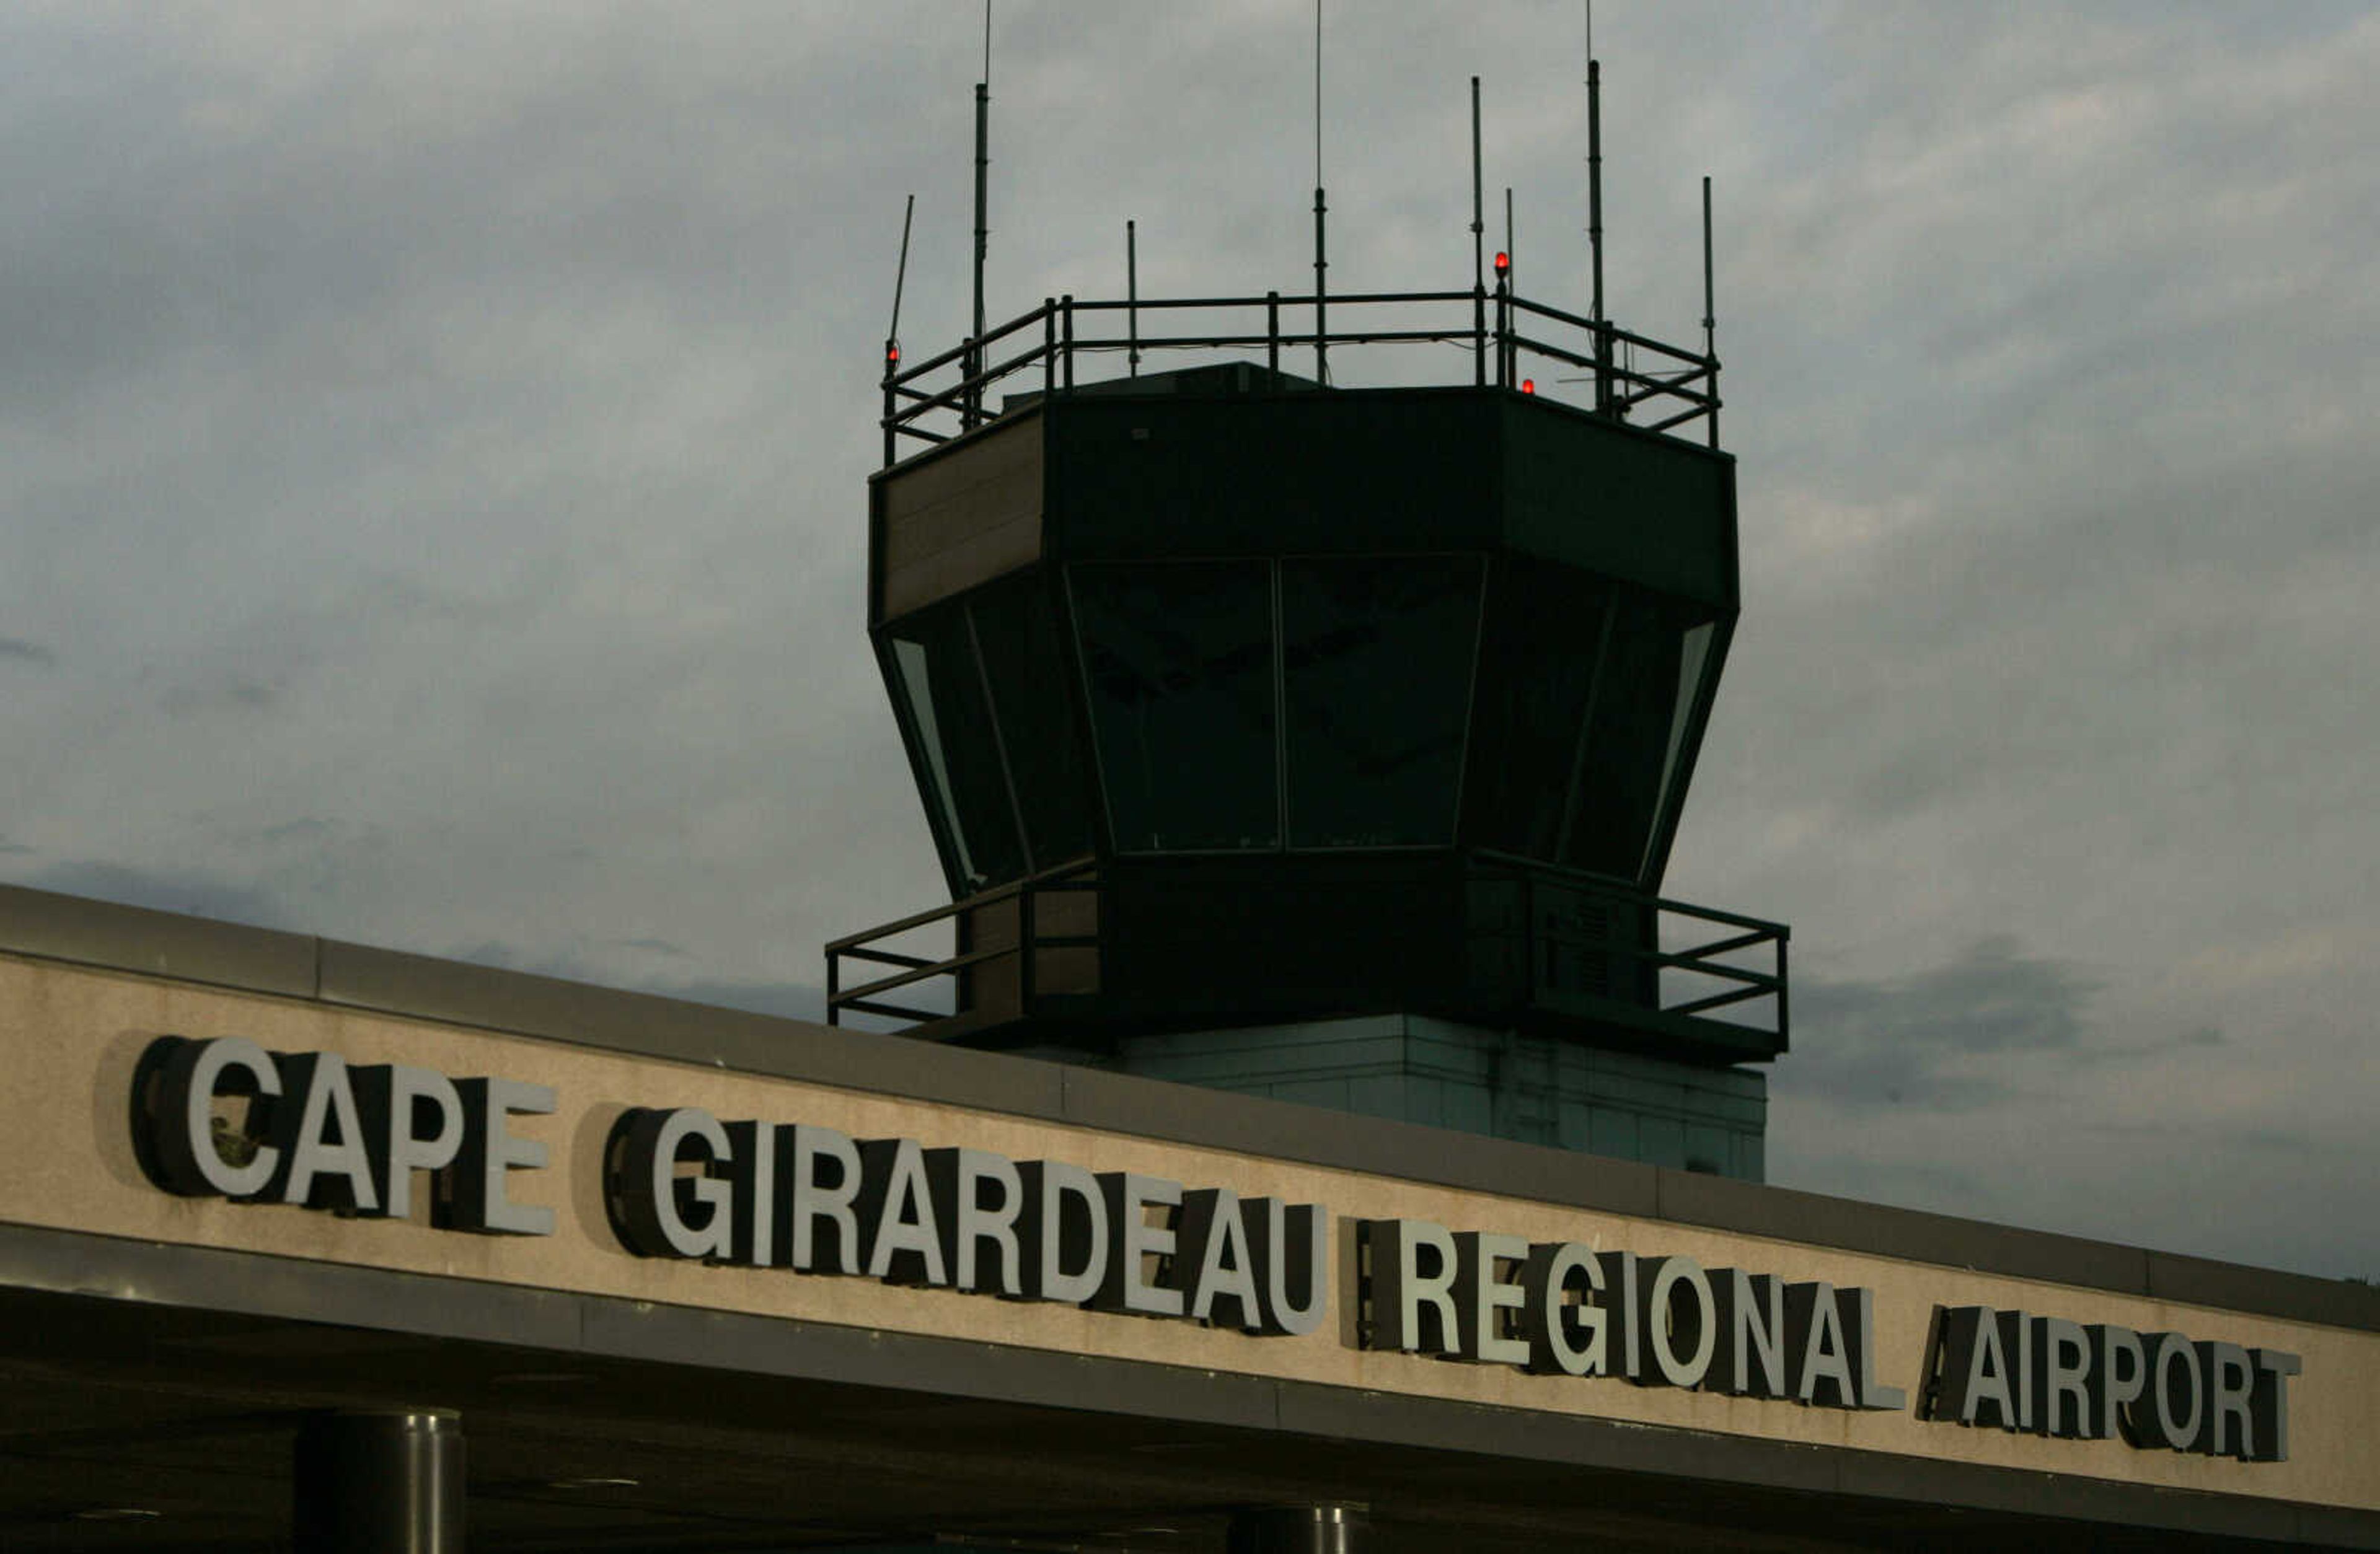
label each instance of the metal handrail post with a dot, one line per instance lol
(1479, 337)
(1529, 937)
(1066, 304)
(1273, 332)
(1049, 347)
(1503, 334)
(1025, 956)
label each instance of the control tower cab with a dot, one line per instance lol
(1316, 741)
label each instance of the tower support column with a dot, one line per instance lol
(1300, 1529)
(379, 1482)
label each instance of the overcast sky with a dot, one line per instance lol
(434, 444)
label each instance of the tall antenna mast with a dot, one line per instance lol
(901, 274)
(1321, 351)
(1595, 214)
(1711, 316)
(1508, 286)
(1478, 252)
(982, 228)
(1512, 246)
(893, 331)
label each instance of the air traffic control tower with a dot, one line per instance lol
(1319, 741)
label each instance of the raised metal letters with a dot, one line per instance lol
(1565, 1336)
(1411, 1286)
(2014, 1370)
(1748, 1315)
(310, 1131)
(1134, 1245)
(1487, 1287)
(979, 1194)
(222, 1117)
(1063, 1229)
(1292, 1260)
(392, 1099)
(1817, 1346)
(1560, 1308)
(1215, 1268)
(658, 1212)
(896, 1211)
(1678, 1322)
(491, 1151)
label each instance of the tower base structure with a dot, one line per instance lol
(1504, 1084)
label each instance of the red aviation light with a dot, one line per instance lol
(1528, 385)
(1503, 262)
(892, 354)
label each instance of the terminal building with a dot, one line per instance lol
(1308, 1126)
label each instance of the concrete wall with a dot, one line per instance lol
(73, 1035)
(1503, 1084)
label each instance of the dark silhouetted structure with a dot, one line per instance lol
(1325, 742)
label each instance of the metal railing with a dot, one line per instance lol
(1696, 981)
(1002, 937)
(986, 916)
(946, 395)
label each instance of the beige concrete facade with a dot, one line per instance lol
(74, 1035)
(947, 524)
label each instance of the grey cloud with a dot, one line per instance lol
(306, 827)
(167, 889)
(787, 999)
(1944, 1039)
(183, 700)
(16, 647)
(792, 1001)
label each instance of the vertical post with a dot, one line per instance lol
(1529, 939)
(1503, 333)
(1067, 308)
(1049, 347)
(1028, 935)
(1595, 234)
(982, 243)
(1511, 245)
(379, 1483)
(1305, 1529)
(1710, 319)
(1479, 254)
(1132, 296)
(1321, 315)
(1511, 288)
(1273, 335)
(893, 329)
(1321, 307)
(833, 988)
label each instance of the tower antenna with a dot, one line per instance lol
(901, 274)
(1511, 247)
(1711, 316)
(982, 228)
(1478, 252)
(1321, 350)
(1594, 214)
